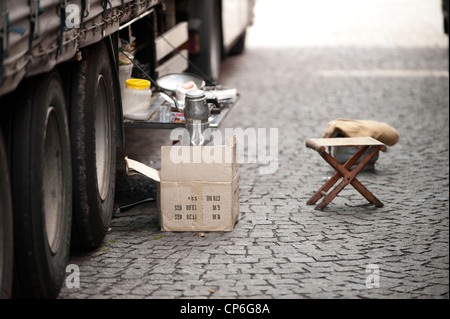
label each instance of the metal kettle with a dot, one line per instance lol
(197, 113)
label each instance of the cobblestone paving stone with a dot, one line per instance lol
(378, 60)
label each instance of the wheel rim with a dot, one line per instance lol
(53, 180)
(102, 137)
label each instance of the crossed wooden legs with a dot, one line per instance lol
(349, 177)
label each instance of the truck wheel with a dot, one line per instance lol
(41, 188)
(6, 234)
(93, 146)
(210, 56)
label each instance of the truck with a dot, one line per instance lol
(61, 116)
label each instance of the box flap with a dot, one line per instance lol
(134, 167)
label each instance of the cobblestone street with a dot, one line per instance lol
(307, 63)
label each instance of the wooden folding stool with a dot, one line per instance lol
(345, 171)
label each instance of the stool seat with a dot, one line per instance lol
(343, 170)
(317, 143)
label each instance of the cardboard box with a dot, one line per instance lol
(198, 187)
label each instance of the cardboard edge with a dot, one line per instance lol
(134, 167)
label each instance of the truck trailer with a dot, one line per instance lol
(61, 114)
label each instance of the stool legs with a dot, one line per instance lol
(349, 177)
(333, 180)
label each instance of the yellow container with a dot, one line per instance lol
(137, 84)
(136, 99)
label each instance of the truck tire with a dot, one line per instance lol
(210, 56)
(6, 227)
(41, 187)
(93, 146)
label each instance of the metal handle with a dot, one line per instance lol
(214, 110)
